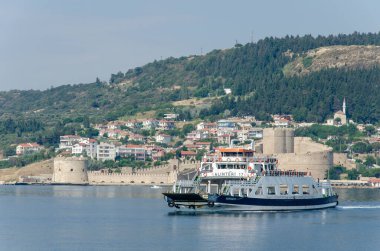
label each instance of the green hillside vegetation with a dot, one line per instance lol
(254, 72)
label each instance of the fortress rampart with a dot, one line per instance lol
(316, 163)
(97, 178)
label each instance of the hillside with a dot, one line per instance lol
(193, 86)
(347, 57)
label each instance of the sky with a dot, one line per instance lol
(47, 43)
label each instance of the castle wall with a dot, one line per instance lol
(340, 159)
(306, 144)
(70, 170)
(316, 163)
(97, 178)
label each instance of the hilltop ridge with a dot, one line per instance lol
(338, 56)
(254, 72)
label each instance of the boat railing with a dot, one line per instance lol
(186, 183)
(241, 182)
(284, 173)
(324, 184)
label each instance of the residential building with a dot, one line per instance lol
(224, 138)
(67, 141)
(150, 124)
(137, 152)
(163, 138)
(171, 116)
(226, 124)
(106, 151)
(203, 145)
(206, 126)
(197, 135)
(166, 125)
(136, 137)
(253, 133)
(88, 147)
(28, 148)
(188, 154)
(133, 124)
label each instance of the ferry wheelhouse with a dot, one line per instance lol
(237, 179)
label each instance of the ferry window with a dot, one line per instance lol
(214, 188)
(236, 191)
(259, 191)
(283, 189)
(295, 189)
(243, 167)
(305, 189)
(271, 191)
(206, 167)
(223, 166)
(230, 166)
(258, 167)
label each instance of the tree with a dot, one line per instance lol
(335, 172)
(352, 174)
(359, 147)
(338, 121)
(376, 146)
(369, 161)
(370, 130)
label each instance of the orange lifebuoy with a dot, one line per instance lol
(249, 168)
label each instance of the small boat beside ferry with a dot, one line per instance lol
(235, 179)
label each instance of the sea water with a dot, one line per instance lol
(137, 218)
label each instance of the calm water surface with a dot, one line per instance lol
(137, 218)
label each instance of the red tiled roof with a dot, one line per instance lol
(189, 153)
(134, 146)
(374, 181)
(203, 143)
(29, 145)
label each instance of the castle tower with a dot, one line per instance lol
(70, 171)
(278, 140)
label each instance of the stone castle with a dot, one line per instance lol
(297, 153)
(293, 153)
(73, 171)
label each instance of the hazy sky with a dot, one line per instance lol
(46, 43)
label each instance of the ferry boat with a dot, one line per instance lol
(235, 179)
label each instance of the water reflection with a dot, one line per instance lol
(83, 191)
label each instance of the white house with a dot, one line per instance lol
(163, 138)
(149, 124)
(88, 146)
(67, 141)
(28, 148)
